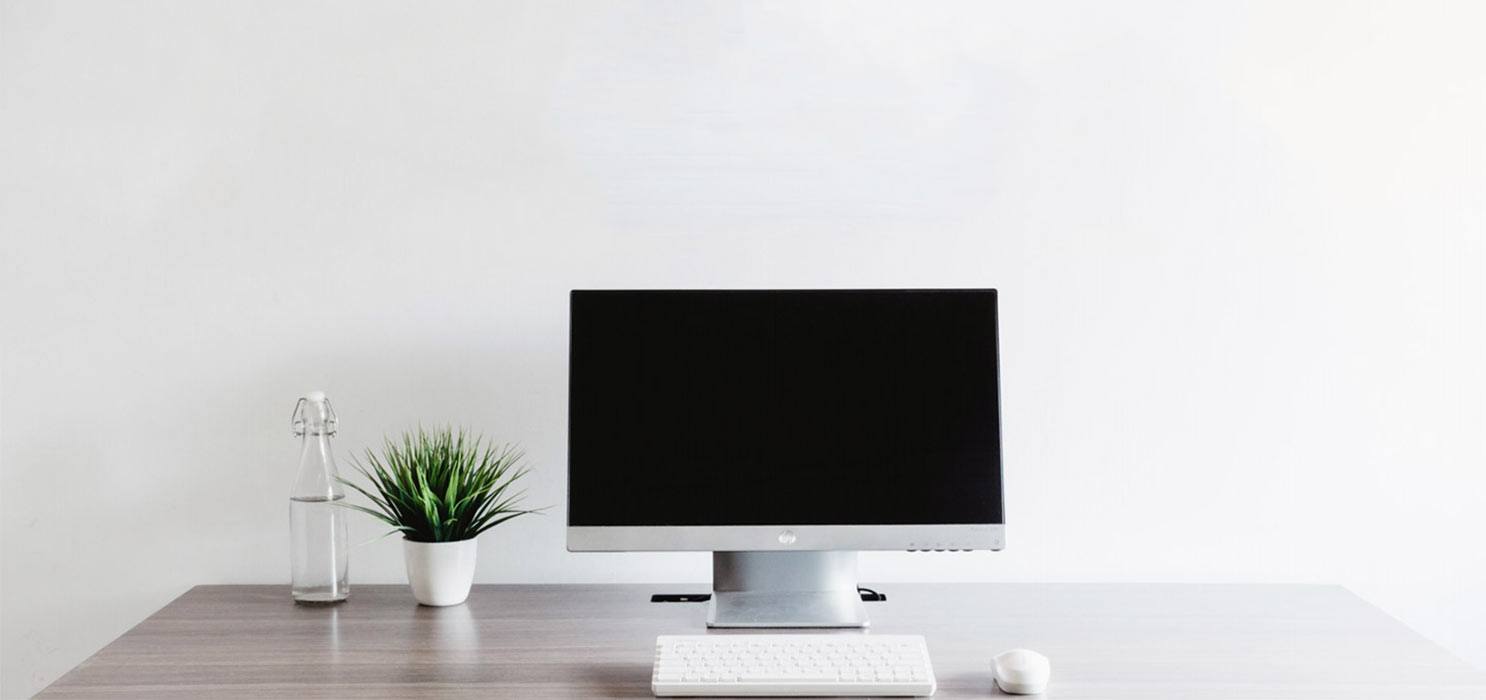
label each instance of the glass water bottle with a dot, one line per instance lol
(317, 522)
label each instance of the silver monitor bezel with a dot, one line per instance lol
(784, 538)
(787, 538)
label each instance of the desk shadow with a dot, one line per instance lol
(975, 684)
(617, 679)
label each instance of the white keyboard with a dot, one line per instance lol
(791, 664)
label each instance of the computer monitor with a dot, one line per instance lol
(784, 430)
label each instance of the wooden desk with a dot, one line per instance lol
(1105, 641)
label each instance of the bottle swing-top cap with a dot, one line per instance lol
(313, 412)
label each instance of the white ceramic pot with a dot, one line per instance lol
(440, 572)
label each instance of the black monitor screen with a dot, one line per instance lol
(783, 408)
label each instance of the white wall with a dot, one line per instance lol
(1239, 246)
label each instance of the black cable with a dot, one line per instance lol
(870, 596)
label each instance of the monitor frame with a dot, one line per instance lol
(786, 537)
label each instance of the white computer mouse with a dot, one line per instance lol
(1022, 672)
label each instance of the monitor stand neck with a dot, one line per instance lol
(785, 589)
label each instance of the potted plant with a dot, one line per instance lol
(441, 489)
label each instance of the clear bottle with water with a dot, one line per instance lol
(317, 522)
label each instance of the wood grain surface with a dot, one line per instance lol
(1106, 641)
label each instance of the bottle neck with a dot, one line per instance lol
(315, 422)
(317, 478)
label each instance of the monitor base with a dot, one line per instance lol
(785, 589)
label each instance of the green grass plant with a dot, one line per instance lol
(441, 485)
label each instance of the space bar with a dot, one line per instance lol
(788, 678)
